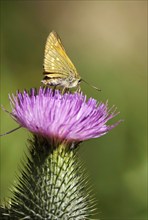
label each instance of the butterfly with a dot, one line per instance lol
(58, 68)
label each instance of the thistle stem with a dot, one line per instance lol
(52, 185)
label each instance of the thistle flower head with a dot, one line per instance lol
(69, 117)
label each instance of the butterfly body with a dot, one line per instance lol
(58, 68)
(67, 82)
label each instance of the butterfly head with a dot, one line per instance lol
(72, 81)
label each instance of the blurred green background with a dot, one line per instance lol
(106, 40)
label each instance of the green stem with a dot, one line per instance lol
(52, 185)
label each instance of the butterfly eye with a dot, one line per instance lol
(79, 80)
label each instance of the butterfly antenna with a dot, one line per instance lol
(10, 131)
(91, 85)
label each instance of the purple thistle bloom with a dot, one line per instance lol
(60, 117)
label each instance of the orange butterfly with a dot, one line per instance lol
(58, 68)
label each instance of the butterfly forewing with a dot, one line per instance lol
(56, 61)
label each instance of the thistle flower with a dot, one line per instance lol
(68, 117)
(53, 184)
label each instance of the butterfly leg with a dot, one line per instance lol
(78, 88)
(54, 89)
(63, 90)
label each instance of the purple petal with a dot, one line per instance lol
(66, 117)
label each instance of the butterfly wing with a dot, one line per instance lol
(56, 62)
